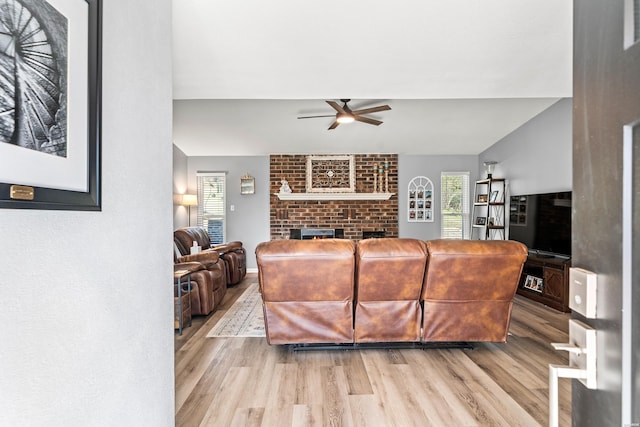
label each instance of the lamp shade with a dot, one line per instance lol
(490, 165)
(189, 200)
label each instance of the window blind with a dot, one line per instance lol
(212, 204)
(454, 223)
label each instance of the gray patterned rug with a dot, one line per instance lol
(244, 318)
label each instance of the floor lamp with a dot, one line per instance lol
(189, 200)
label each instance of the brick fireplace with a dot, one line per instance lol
(355, 217)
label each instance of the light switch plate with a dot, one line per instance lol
(583, 286)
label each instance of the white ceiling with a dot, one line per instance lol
(458, 74)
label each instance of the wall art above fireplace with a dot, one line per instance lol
(331, 174)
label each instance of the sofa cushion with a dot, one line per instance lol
(185, 236)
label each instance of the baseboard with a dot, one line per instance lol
(252, 270)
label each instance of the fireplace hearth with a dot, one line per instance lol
(316, 233)
(373, 234)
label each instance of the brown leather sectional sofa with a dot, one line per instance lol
(222, 266)
(233, 254)
(388, 290)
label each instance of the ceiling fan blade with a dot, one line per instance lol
(372, 110)
(313, 117)
(367, 120)
(337, 107)
(333, 126)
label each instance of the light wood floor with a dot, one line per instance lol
(244, 381)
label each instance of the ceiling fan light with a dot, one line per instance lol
(344, 118)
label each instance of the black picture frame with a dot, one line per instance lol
(21, 195)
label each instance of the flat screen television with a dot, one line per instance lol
(542, 222)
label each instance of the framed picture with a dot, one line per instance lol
(247, 184)
(481, 220)
(533, 283)
(482, 198)
(50, 155)
(494, 197)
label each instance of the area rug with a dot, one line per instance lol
(244, 318)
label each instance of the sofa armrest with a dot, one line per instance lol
(187, 267)
(223, 248)
(204, 256)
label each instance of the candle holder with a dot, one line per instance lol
(386, 177)
(386, 181)
(375, 178)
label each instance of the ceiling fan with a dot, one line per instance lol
(344, 114)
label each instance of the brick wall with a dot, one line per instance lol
(354, 216)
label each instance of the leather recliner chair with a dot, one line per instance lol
(389, 274)
(235, 259)
(311, 300)
(209, 285)
(468, 289)
(232, 253)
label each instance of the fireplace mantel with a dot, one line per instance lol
(334, 196)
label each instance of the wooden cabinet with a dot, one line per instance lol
(546, 280)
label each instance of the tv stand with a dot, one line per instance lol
(554, 272)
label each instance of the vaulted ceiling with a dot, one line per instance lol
(458, 74)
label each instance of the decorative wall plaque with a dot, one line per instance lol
(331, 174)
(247, 184)
(420, 206)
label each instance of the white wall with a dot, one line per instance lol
(431, 167)
(536, 157)
(86, 312)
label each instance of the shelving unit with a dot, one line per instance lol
(488, 215)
